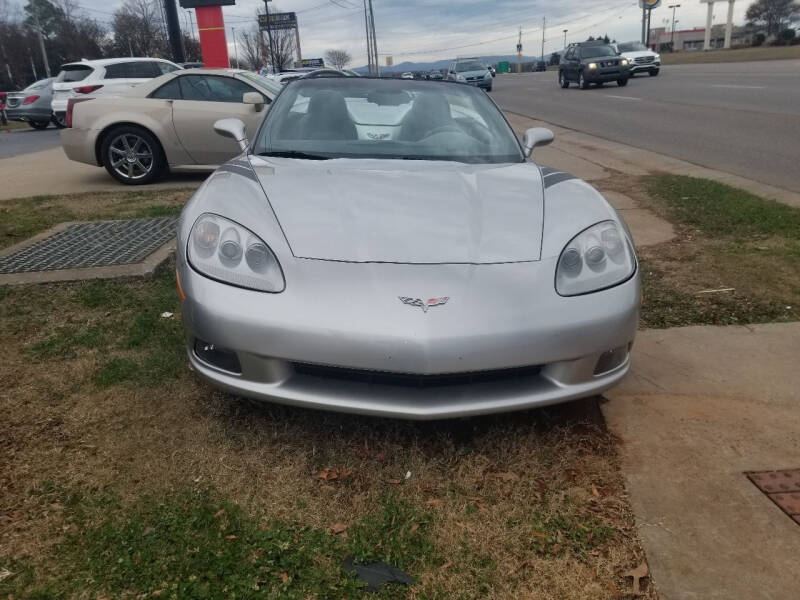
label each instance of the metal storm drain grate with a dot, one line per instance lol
(85, 245)
(782, 487)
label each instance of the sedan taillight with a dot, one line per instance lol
(30, 99)
(86, 89)
(70, 106)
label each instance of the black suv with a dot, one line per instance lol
(588, 63)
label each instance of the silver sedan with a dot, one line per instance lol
(387, 247)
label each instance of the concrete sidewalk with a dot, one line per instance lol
(702, 406)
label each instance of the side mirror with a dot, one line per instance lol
(536, 136)
(255, 99)
(234, 129)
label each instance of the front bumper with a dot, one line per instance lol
(602, 75)
(636, 67)
(346, 355)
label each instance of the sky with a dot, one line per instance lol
(429, 30)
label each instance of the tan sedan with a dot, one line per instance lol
(166, 123)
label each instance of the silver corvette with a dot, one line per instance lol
(385, 247)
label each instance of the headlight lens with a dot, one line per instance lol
(624, 62)
(460, 77)
(597, 258)
(657, 57)
(228, 252)
(592, 65)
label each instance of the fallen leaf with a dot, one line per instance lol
(446, 565)
(231, 537)
(408, 474)
(219, 513)
(157, 592)
(434, 502)
(394, 481)
(595, 491)
(284, 577)
(539, 534)
(5, 574)
(338, 528)
(414, 527)
(166, 315)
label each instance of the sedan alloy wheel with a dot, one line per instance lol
(130, 156)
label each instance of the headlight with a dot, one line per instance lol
(460, 77)
(657, 57)
(597, 258)
(488, 75)
(592, 65)
(624, 62)
(228, 252)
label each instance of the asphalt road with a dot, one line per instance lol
(25, 141)
(742, 118)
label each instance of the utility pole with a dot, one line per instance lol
(372, 45)
(644, 22)
(672, 36)
(544, 27)
(649, 12)
(374, 40)
(519, 52)
(565, 37)
(269, 37)
(41, 46)
(174, 31)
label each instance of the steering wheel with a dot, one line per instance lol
(443, 129)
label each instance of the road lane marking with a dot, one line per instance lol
(742, 87)
(622, 97)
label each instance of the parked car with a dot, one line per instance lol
(166, 123)
(640, 58)
(31, 105)
(191, 65)
(592, 63)
(106, 76)
(288, 75)
(407, 75)
(347, 277)
(328, 73)
(540, 65)
(471, 71)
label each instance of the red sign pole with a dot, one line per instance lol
(212, 37)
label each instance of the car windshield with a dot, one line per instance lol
(472, 65)
(269, 84)
(72, 73)
(595, 51)
(402, 119)
(631, 47)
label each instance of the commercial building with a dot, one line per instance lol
(662, 39)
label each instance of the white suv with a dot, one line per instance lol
(101, 77)
(640, 57)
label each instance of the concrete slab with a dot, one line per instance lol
(620, 201)
(647, 228)
(702, 406)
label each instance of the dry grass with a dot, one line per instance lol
(732, 55)
(520, 506)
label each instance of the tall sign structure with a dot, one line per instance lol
(372, 45)
(211, 28)
(728, 24)
(273, 22)
(647, 7)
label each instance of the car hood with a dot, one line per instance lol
(413, 212)
(638, 54)
(477, 73)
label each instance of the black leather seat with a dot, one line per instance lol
(327, 118)
(429, 112)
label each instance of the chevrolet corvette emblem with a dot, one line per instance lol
(424, 304)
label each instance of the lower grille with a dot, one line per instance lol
(411, 380)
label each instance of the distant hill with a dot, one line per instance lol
(442, 64)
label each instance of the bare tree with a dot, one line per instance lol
(139, 29)
(338, 59)
(281, 56)
(251, 46)
(773, 15)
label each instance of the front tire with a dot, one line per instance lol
(622, 82)
(654, 73)
(562, 80)
(39, 124)
(582, 83)
(132, 155)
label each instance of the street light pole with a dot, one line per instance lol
(269, 37)
(235, 48)
(672, 36)
(565, 37)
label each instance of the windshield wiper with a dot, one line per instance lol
(294, 154)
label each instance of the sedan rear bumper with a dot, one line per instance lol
(23, 113)
(79, 145)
